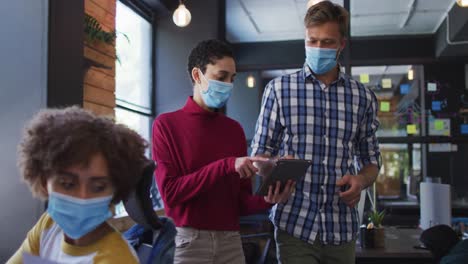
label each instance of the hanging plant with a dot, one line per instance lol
(94, 32)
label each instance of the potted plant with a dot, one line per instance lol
(375, 233)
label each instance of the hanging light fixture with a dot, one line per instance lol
(462, 3)
(251, 81)
(410, 74)
(181, 15)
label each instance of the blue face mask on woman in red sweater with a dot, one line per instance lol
(217, 94)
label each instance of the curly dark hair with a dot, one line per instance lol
(58, 138)
(207, 52)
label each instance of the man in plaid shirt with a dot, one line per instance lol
(323, 115)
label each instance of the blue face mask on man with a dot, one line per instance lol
(77, 217)
(321, 60)
(217, 94)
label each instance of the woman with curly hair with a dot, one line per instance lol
(82, 164)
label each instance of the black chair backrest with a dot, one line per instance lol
(139, 205)
(439, 239)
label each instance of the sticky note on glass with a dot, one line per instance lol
(431, 87)
(387, 83)
(439, 124)
(364, 78)
(384, 106)
(464, 129)
(404, 88)
(436, 105)
(411, 129)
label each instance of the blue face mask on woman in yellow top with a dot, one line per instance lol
(217, 93)
(77, 217)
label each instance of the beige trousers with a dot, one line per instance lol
(203, 246)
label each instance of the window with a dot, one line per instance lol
(398, 90)
(400, 173)
(134, 78)
(134, 69)
(138, 122)
(398, 95)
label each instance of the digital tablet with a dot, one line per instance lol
(281, 170)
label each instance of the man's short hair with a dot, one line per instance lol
(59, 138)
(326, 11)
(207, 52)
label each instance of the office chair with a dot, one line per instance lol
(152, 236)
(457, 255)
(252, 251)
(440, 240)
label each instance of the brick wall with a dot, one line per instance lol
(99, 82)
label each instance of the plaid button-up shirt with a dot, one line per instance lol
(334, 126)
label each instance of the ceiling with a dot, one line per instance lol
(355, 71)
(279, 20)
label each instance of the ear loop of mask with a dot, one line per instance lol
(338, 54)
(203, 76)
(201, 73)
(337, 57)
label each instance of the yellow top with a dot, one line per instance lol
(46, 240)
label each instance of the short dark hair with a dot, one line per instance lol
(207, 52)
(58, 138)
(326, 11)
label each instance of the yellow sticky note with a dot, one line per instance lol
(411, 129)
(384, 106)
(439, 124)
(387, 83)
(364, 78)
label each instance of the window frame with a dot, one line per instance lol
(147, 14)
(144, 12)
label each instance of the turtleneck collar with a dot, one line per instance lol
(192, 107)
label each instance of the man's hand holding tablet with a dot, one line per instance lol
(280, 175)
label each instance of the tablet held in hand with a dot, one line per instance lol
(281, 170)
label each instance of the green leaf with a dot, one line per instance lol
(94, 32)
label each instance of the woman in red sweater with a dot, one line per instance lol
(203, 172)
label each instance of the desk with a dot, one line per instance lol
(399, 248)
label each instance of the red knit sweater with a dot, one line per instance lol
(195, 151)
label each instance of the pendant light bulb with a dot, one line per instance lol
(462, 3)
(182, 16)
